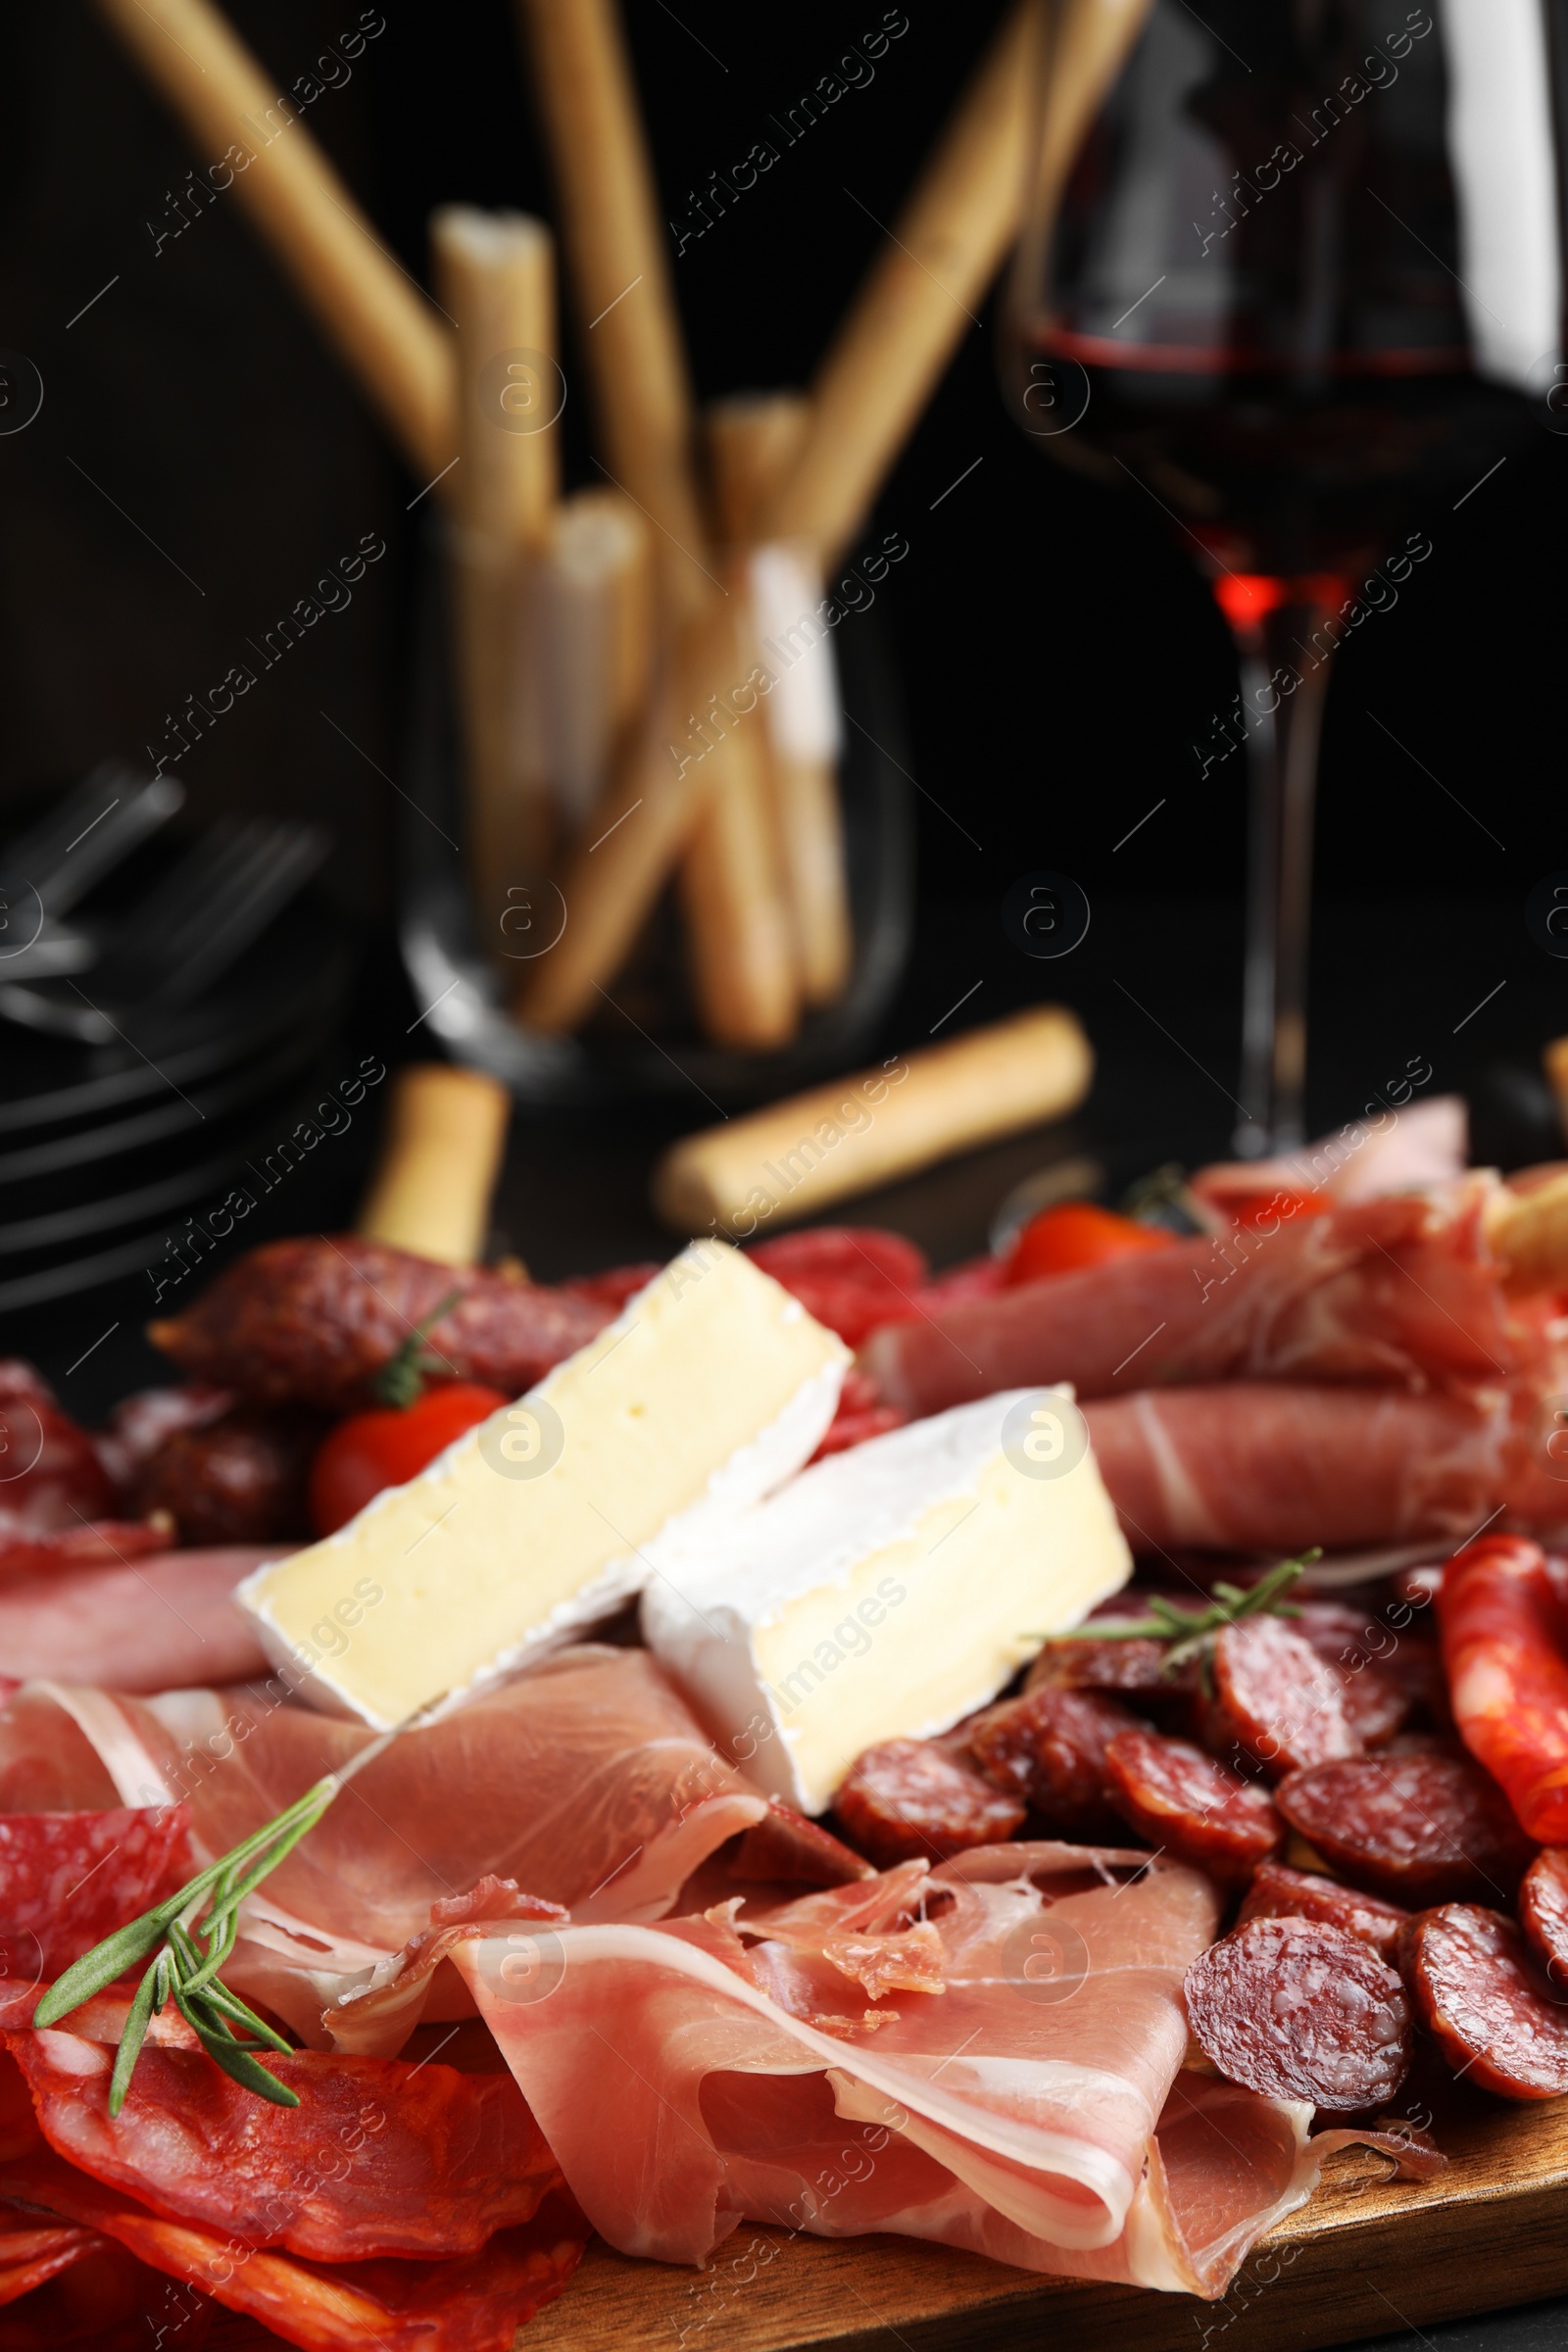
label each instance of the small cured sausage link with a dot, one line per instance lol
(312, 1321)
(909, 1800)
(1478, 1995)
(1179, 1799)
(1502, 1645)
(1049, 1747)
(1428, 1828)
(50, 1476)
(1297, 2009)
(1275, 1700)
(1279, 1892)
(241, 1480)
(1543, 1913)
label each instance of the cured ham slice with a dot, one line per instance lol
(142, 1624)
(988, 2055)
(467, 2303)
(1402, 1291)
(588, 1781)
(1254, 1466)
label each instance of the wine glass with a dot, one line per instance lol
(1293, 267)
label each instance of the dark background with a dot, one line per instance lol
(1059, 656)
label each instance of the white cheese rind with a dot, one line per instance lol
(711, 1387)
(882, 1595)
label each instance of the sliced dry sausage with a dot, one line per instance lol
(1424, 1828)
(1049, 1747)
(1280, 1893)
(1297, 2009)
(1275, 1700)
(1543, 1912)
(1483, 2003)
(908, 1799)
(1188, 1802)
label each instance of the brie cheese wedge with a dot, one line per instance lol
(712, 1386)
(888, 1591)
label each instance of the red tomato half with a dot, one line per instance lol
(371, 1450)
(1077, 1233)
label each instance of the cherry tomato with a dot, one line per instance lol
(371, 1450)
(1077, 1233)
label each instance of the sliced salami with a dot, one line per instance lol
(908, 1799)
(1543, 1913)
(1279, 1892)
(1277, 1699)
(1190, 1804)
(67, 1880)
(1049, 1747)
(785, 1846)
(1422, 1829)
(1483, 2003)
(1298, 2009)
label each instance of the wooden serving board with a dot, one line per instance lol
(1367, 2256)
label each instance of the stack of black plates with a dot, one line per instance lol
(106, 1149)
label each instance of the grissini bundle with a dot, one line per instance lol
(657, 797)
(390, 337)
(737, 920)
(494, 274)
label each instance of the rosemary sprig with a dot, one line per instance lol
(402, 1378)
(1191, 1630)
(190, 1935)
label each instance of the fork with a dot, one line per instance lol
(185, 934)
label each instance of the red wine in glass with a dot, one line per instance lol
(1298, 282)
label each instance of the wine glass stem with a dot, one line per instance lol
(1283, 684)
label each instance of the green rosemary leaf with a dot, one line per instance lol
(133, 2036)
(99, 1968)
(229, 2005)
(232, 2056)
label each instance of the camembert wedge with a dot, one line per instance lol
(888, 1591)
(712, 1386)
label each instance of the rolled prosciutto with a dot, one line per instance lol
(1260, 1467)
(1407, 1293)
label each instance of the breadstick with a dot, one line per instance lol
(596, 620)
(619, 272)
(752, 441)
(1554, 1061)
(798, 1157)
(445, 1132)
(496, 276)
(391, 339)
(946, 244)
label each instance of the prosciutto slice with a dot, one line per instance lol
(988, 2055)
(1401, 1292)
(141, 1624)
(588, 1781)
(1254, 1466)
